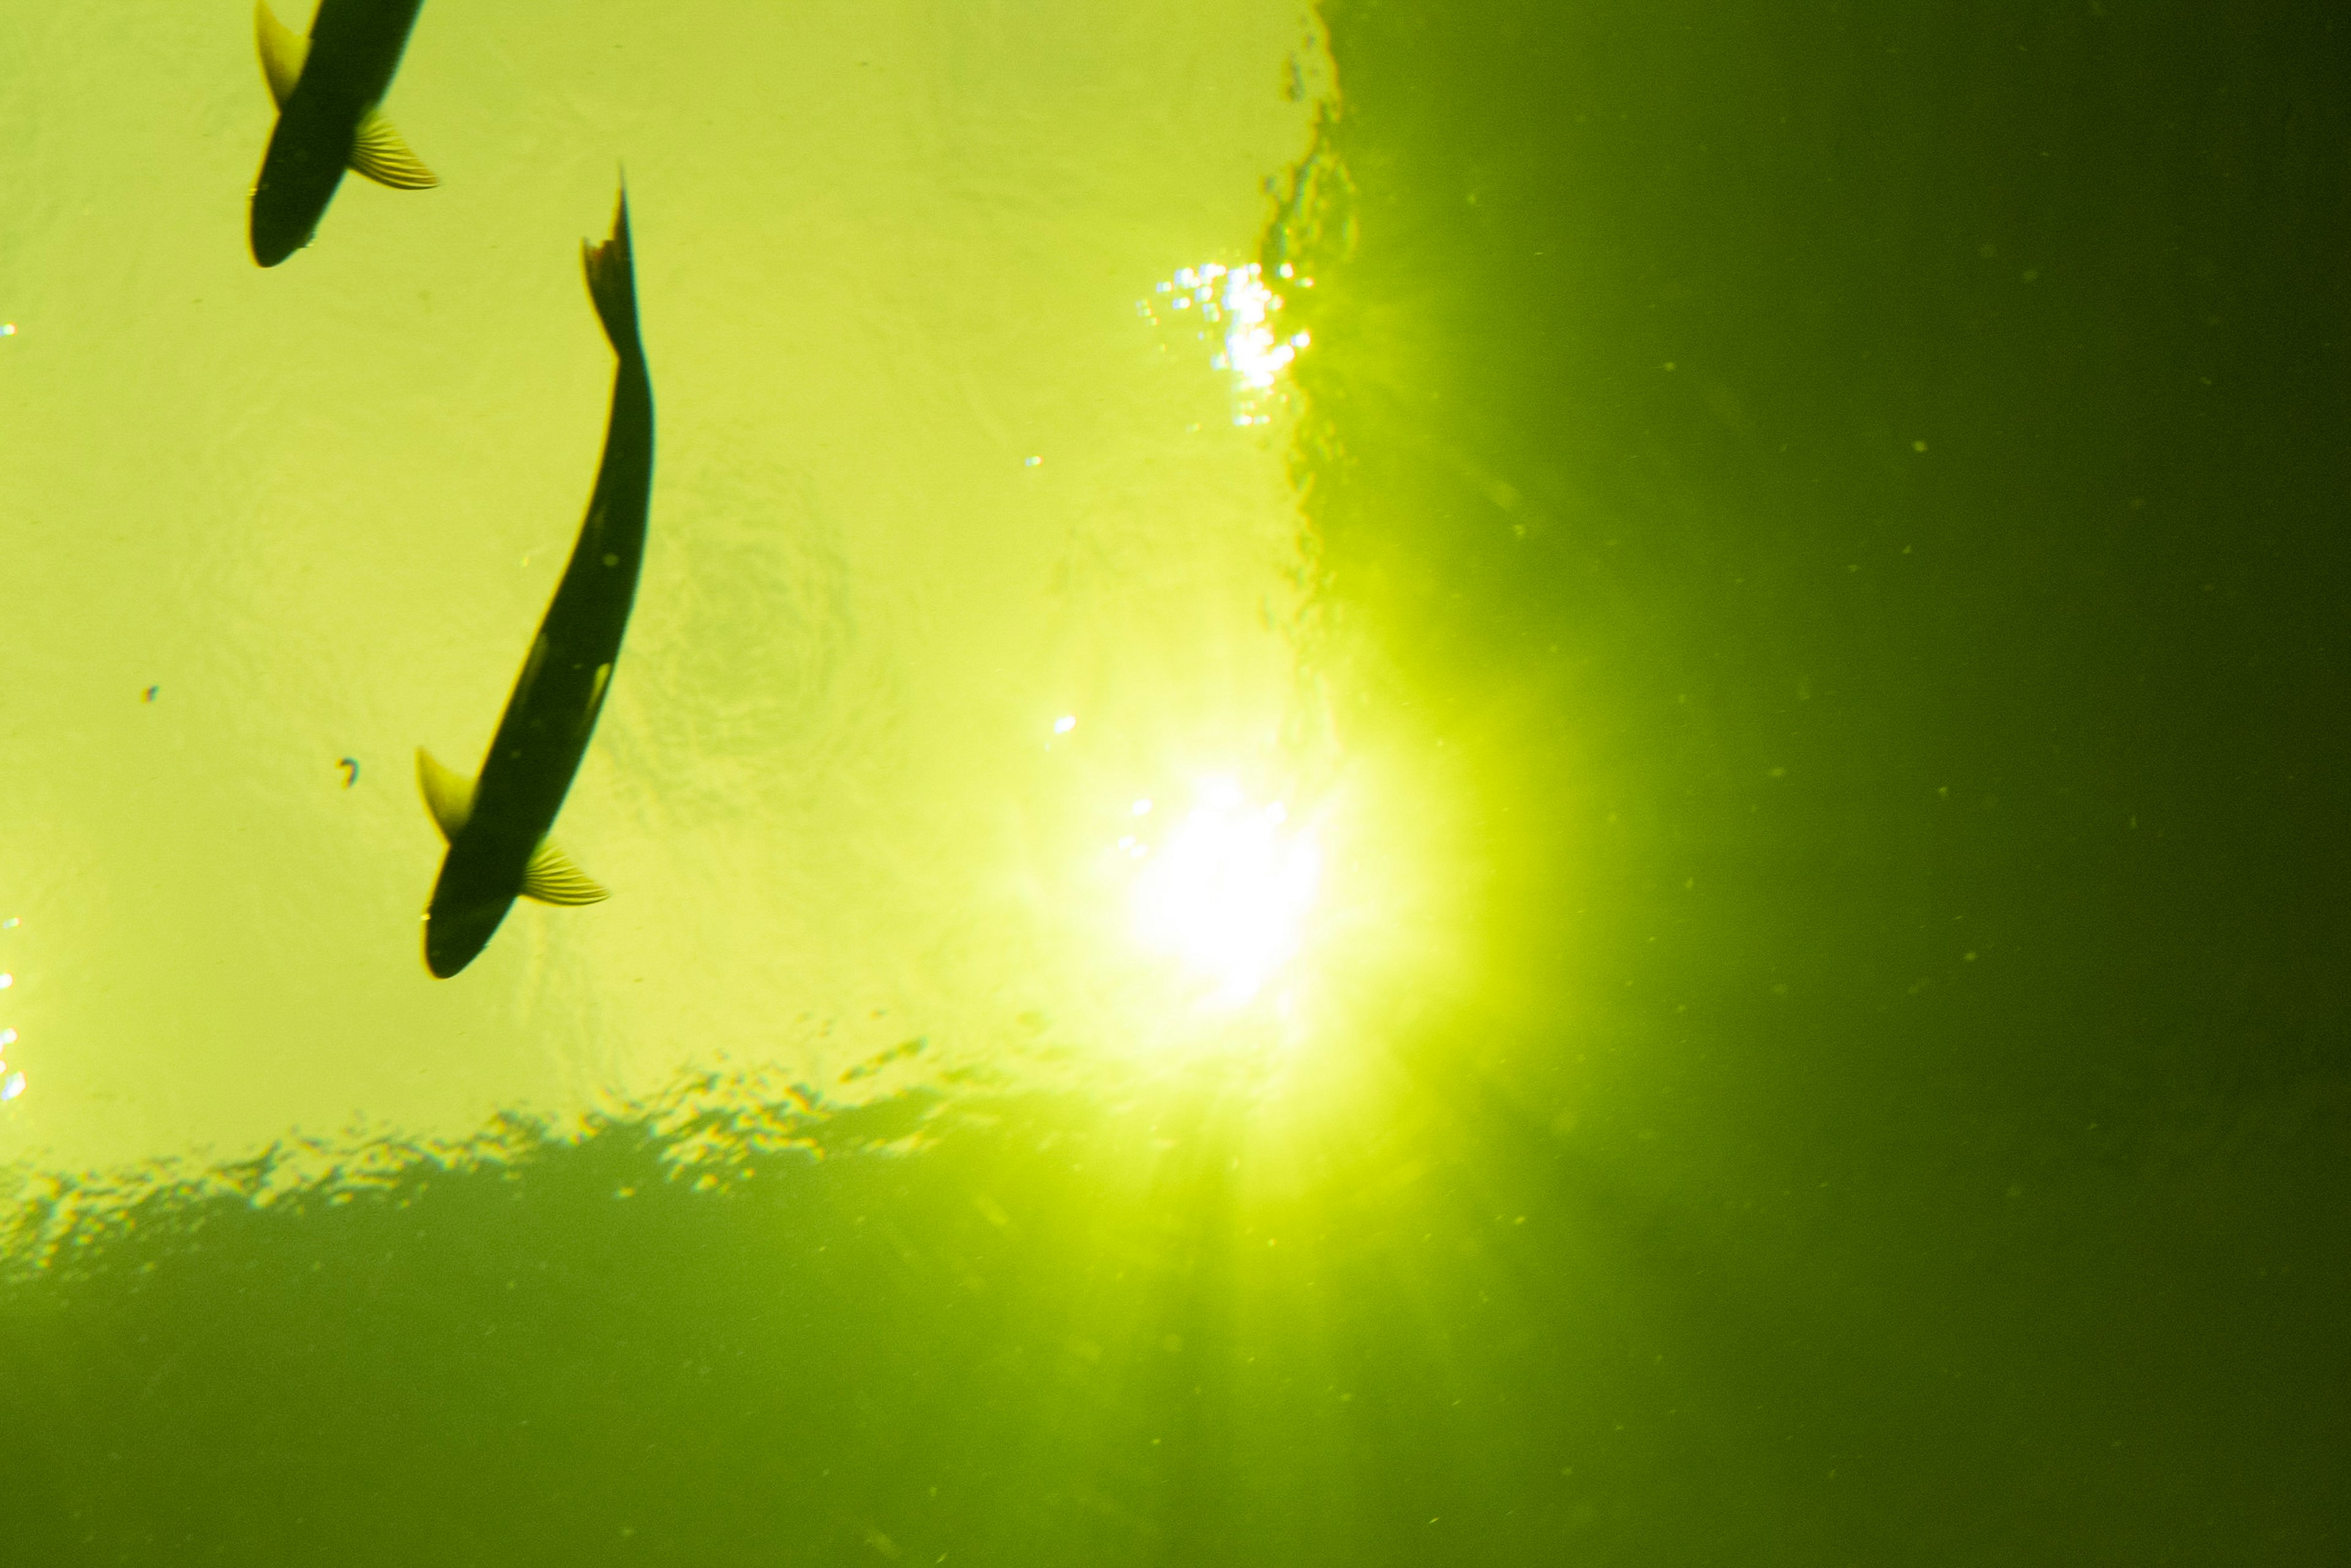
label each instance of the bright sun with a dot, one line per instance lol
(1228, 890)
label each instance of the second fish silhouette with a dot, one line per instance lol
(496, 826)
(328, 86)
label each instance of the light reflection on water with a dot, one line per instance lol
(1237, 306)
(12, 1083)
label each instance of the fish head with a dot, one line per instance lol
(455, 931)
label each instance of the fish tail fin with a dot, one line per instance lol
(613, 284)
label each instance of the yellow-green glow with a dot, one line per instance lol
(953, 561)
(1227, 892)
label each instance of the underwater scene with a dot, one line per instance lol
(1047, 783)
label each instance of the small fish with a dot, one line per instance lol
(328, 86)
(497, 827)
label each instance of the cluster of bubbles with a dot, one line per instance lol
(1239, 304)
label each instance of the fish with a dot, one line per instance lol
(497, 825)
(328, 88)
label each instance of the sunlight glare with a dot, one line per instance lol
(1238, 300)
(1228, 892)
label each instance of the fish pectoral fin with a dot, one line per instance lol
(379, 154)
(553, 879)
(283, 51)
(448, 795)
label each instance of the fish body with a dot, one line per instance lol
(497, 825)
(326, 88)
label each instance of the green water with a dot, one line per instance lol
(1795, 587)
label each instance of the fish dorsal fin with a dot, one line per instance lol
(448, 795)
(379, 154)
(553, 879)
(283, 50)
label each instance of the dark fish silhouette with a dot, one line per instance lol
(327, 87)
(497, 827)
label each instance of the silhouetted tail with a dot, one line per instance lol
(613, 284)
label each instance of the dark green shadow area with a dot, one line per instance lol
(1028, 1332)
(1853, 500)
(1897, 1112)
